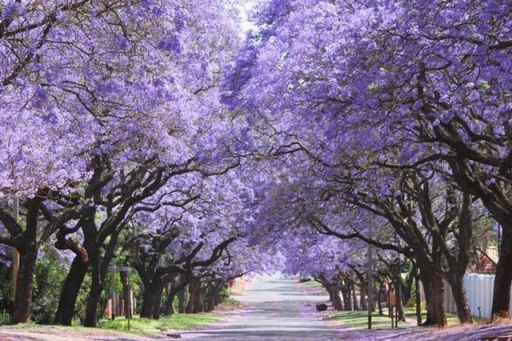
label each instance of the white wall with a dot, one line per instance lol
(479, 291)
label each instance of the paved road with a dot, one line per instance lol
(275, 310)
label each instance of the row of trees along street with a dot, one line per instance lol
(155, 135)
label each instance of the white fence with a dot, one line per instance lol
(479, 290)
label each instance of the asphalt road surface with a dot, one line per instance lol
(274, 310)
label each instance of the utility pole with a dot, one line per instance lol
(399, 296)
(113, 285)
(15, 253)
(418, 295)
(370, 282)
(113, 269)
(498, 243)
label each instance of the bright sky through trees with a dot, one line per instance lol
(246, 7)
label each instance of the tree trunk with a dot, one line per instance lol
(207, 293)
(218, 291)
(336, 299)
(456, 281)
(379, 300)
(159, 289)
(151, 297)
(127, 296)
(375, 294)
(23, 297)
(328, 288)
(168, 309)
(362, 290)
(148, 301)
(491, 198)
(354, 296)
(438, 300)
(194, 301)
(407, 289)
(503, 278)
(182, 300)
(93, 299)
(191, 297)
(426, 279)
(418, 297)
(347, 298)
(399, 296)
(200, 307)
(70, 290)
(209, 302)
(28, 249)
(214, 295)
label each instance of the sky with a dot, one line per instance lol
(245, 8)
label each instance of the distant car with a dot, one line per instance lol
(321, 307)
(304, 278)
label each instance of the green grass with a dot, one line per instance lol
(451, 319)
(4, 318)
(411, 313)
(33, 325)
(359, 320)
(138, 326)
(229, 301)
(143, 326)
(312, 284)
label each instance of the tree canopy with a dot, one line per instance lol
(152, 134)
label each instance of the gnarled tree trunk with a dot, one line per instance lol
(159, 289)
(93, 299)
(23, 297)
(151, 297)
(456, 281)
(426, 280)
(503, 278)
(70, 290)
(194, 296)
(438, 299)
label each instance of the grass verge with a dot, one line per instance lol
(239, 286)
(138, 326)
(311, 284)
(451, 319)
(359, 320)
(149, 327)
